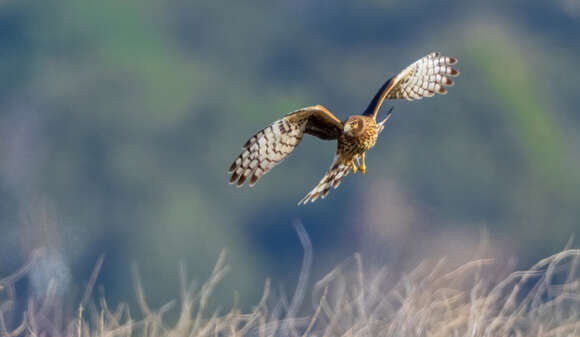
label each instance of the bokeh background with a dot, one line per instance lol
(118, 120)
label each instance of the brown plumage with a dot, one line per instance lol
(355, 136)
(360, 135)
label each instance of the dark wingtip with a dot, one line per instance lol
(253, 180)
(452, 60)
(234, 177)
(232, 167)
(242, 180)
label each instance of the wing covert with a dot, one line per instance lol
(321, 123)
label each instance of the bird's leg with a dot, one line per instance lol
(363, 167)
(353, 166)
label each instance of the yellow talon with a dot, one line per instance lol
(363, 167)
(353, 167)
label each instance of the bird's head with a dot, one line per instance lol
(353, 126)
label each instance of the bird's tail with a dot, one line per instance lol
(338, 170)
(381, 125)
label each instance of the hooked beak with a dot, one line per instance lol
(347, 128)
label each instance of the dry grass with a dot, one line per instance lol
(480, 298)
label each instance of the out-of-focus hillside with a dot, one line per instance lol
(119, 119)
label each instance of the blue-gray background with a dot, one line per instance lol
(118, 120)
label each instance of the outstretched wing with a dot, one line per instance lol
(331, 179)
(424, 78)
(271, 145)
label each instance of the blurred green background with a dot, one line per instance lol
(118, 120)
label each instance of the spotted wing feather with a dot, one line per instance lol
(268, 147)
(427, 76)
(331, 179)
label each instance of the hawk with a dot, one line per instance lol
(356, 135)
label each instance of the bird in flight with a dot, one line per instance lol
(356, 135)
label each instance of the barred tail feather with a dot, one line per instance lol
(331, 179)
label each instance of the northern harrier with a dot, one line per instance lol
(355, 136)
